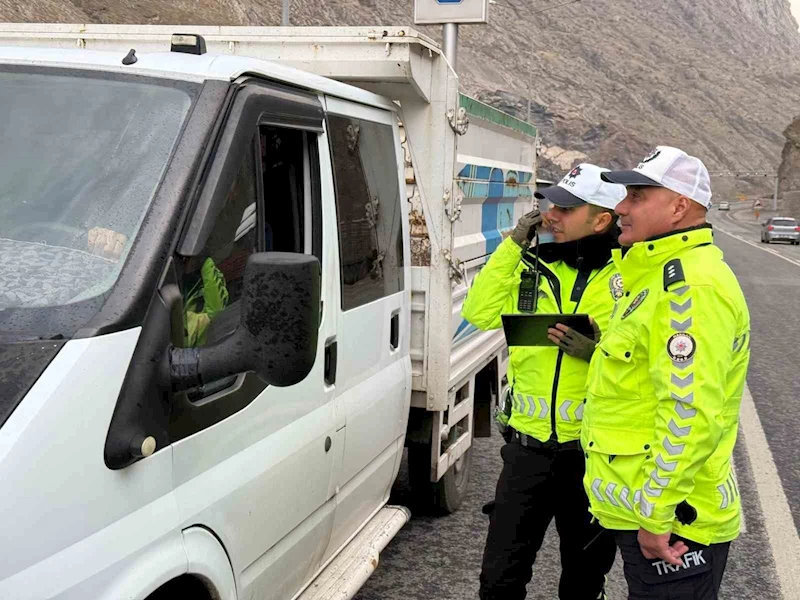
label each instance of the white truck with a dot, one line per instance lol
(233, 262)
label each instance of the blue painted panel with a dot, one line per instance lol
(465, 329)
(497, 196)
(482, 172)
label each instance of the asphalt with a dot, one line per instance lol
(439, 558)
(772, 288)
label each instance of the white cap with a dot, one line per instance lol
(670, 168)
(583, 185)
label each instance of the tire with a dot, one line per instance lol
(442, 497)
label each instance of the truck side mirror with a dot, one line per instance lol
(278, 327)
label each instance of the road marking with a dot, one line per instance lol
(778, 521)
(742, 522)
(759, 246)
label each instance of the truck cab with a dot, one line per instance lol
(204, 321)
(234, 264)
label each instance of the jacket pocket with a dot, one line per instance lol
(617, 442)
(614, 367)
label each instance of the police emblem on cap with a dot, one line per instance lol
(652, 156)
(575, 172)
(637, 302)
(615, 285)
(681, 347)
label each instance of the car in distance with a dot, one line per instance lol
(780, 229)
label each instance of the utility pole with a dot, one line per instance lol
(775, 195)
(449, 14)
(530, 80)
(753, 175)
(450, 43)
(285, 16)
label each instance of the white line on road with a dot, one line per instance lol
(742, 521)
(760, 247)
(778, 520)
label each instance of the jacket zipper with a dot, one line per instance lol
(583, 279)
(554, 434)
(555, 287)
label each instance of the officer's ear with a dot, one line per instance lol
(603, 220)
(681, 206)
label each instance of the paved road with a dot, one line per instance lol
(439, 559)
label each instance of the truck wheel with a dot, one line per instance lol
(444, 496)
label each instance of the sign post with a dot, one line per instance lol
(450, 13)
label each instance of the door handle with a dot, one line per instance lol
(394, 335)
(331, 348)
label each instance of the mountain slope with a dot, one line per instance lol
(610, 78)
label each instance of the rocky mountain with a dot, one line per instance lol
(789, 172)
(607, 79)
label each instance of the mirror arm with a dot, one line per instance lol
(192, 367)
(184, 368)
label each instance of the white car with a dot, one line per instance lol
(724, 205)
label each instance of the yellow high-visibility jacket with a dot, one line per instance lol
(549, 387)
(665, 385)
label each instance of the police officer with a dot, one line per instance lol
(543, 463)
(665, 386)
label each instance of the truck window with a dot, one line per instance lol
(279, 219)
(212, 282)
(81, 159)
(287, 197)
(369, 210)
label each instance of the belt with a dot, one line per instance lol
(531, 442)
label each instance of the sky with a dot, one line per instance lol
(795, 9)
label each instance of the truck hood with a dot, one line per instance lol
(21, 364)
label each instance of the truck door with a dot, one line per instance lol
(254, 463)
(373, 378)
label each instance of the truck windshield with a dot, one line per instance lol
(81, 157)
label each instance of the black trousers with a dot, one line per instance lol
(536, 486)
(698, 579)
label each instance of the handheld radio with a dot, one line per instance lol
(529, 283)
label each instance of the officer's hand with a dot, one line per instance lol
(655, 545)
(574, 343)
(523, 232)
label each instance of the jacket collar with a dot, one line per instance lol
(642, 257)
(586, 254)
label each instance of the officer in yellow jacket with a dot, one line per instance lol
(543, 462)
(665, 386)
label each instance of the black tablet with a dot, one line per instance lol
(531, 330)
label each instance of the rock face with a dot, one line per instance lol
(789, 172)
(608, 79)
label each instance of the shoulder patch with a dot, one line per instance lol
(673, 273)
(635, 304)
(681, 347)
(616, 287)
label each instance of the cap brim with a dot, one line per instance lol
(633, 178)
(559, 196)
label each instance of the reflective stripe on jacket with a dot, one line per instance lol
(549, 386)
(665, 387)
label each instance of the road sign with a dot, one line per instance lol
(437, 12)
